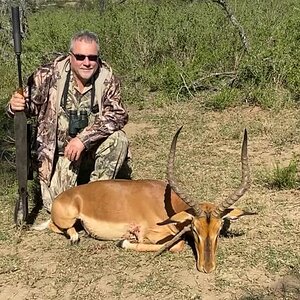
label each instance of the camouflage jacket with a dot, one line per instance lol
(44, 92)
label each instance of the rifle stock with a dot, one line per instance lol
(20, 128)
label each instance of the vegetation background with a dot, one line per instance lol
(216, 66)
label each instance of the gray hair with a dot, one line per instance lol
(86, 36)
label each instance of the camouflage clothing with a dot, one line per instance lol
(103, 162)
(77, 102)
(45, 91)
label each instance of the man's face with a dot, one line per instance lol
(83, 60)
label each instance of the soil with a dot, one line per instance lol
(258, 259)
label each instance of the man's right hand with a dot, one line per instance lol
(17, 102)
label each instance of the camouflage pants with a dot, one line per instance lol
(107, 161)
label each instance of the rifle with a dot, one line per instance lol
(20, 129)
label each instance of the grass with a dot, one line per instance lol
(162, 53)
(172, 48)
(260, 251)
(282, 177)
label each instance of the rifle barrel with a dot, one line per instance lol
(16, 29)
(20, 126)
(17, 40)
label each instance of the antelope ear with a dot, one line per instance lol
(235, 213)
(181, 217)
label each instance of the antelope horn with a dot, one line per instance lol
(176, 238)
(245, 183)
(172, 182)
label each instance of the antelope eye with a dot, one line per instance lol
(196, 237)
(195, 232)
(193, 228)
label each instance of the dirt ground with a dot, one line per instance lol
(259, 259)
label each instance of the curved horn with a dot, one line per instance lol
(245, 183)
(172, 182)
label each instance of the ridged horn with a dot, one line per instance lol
(245, 183)
(172, 182)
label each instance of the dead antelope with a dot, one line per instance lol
(147, 215)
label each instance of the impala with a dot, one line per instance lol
(148, 215)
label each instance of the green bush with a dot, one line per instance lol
(283, 177)
(275, 40)
(227, 97)
(168, 47)
(268, 96)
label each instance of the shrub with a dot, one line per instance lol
(283, 177)
(227, 97)
(156, 45)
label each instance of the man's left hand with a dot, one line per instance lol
(74, 149)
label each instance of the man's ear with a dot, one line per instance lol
(181, 217)
(235, 213)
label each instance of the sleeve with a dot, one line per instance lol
(35, 91)
(38, 89)
(113, 116)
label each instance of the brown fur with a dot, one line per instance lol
(114, 209)
(149, 212)
(144, 211)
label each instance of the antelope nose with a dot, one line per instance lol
(209, 268)
(206, 269)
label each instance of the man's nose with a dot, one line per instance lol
(86, 61)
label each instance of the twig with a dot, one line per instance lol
(184, 86)
(195, 84)
(173, 240)
(8, 139)
(217, 74)
(9, 161)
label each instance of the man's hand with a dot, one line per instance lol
(74, 149)
(17, 102)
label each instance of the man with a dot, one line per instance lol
(77, 104)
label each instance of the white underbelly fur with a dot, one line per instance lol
(106, 230)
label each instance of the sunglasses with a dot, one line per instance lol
(81, 57)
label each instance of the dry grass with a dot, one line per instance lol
(260, 260)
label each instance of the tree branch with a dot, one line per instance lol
(235, 22)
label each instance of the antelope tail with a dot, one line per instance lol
(41, 226)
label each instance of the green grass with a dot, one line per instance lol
(260, 250)
(282, 177)
(173, 47)
(165, 53)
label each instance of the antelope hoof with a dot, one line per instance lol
(74, 240)
(123, 244)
